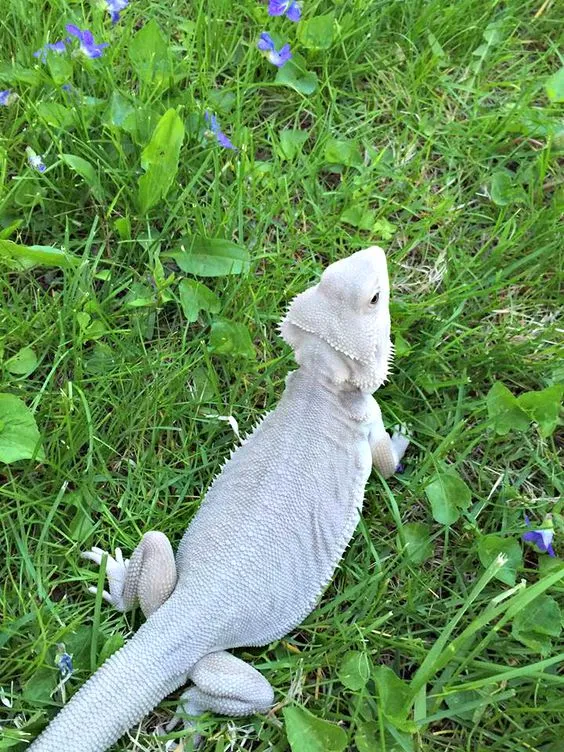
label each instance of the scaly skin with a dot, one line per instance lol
(269, 533)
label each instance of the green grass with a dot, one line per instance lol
(129, 413)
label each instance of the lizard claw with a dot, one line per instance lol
(163, 729)
(116, 571)
(400, 442)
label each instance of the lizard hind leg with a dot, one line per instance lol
(147, 579)
(226, 685)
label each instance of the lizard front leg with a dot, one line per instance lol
(147, 579)
(387, 451)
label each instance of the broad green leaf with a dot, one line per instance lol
(83, 168)
(142, 123)
(23, 362)
(160, 160)
(60, 68)
(534, 122)
(78, 644)
(418, 545)
(27, 256)
(360, 217)
(139, 295)
(401, 346)
(365, 219)
(343, 151)
(503, 188)
(489, 546)
(201, 386)
(435, 45)
(114, 643)
(368, 735)
(100, 359)
(12, 73)
(548, 564)
(536, 624)
(394, 697)
(543, 407)
(120, 113)
(39, 687)
(81, 525)
(55, 114)
(449, 496)
(291, 143)
(295, 75)
(83, 320)
(222, 100)
(317, 33)
(355, 669)
(493, 33)
(196, 297)
(307, 733)
(210, 257)
(11, 228)
(133, 118)
(123, 228)
(150, 56)
(231, 338)
(384, 229)
(19, 436)
(504, 410)
(555, 86)
(90, 329)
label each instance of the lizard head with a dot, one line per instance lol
(345, 320)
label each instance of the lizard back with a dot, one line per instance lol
(277, 519)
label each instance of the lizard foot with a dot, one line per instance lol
(400, 442)
(116, 571)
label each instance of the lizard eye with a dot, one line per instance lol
(375, 298)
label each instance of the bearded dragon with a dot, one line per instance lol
(269, 533)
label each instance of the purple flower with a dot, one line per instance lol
(115, 7)
(7, 97)
(285, 7)
(274, 56)
(222, 139)
(542, 538)
(88, 46)
(35, 160)
(64, 663)
(57, 47)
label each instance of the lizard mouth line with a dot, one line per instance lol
(331, 344)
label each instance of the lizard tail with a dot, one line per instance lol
(124, 689)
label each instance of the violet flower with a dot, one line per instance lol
(7, 97)
(115, 7)
(222, 139)
(35, 160)
(285, 7)
(541, 538)
(276, 57)
(57, 47)
(64, 664)
(88, 46)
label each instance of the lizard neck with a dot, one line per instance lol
(319, 384)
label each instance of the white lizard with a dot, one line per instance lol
(269, 533)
